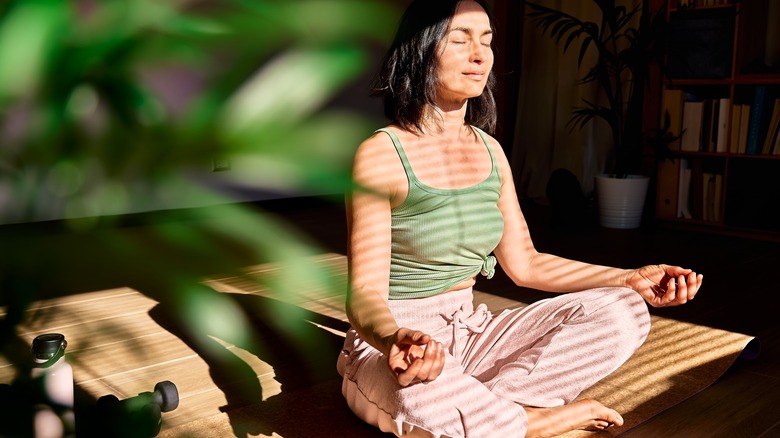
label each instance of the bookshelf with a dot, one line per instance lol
(721, 94)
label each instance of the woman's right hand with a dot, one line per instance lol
(415, 357)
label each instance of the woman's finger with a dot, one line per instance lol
(410, 374)
(432, 357)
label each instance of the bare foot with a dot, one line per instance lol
(585, 414)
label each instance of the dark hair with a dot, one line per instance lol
(407, 79)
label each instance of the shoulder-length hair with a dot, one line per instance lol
(407, 79)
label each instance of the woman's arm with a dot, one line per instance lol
(412, 355)
(659, 285)
(368, 250)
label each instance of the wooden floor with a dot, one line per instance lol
(738, 295)
(741, 286)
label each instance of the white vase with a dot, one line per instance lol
(621, 200)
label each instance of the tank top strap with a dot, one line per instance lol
(401, 154)
(484, 137)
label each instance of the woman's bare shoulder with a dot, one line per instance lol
(377, 164)
(498, 151)
(376, 150)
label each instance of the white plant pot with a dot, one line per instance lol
(621, 200)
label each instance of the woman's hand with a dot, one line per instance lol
(664, 285)
(415, 357)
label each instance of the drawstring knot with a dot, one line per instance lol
(489, 267)
(474, 323)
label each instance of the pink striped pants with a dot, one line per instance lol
(541, 355)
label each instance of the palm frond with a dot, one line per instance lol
(627, 40)
(558, 24)
(582, 115)
(584, 50)
(625, 18)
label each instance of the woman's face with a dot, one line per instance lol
(465, 55)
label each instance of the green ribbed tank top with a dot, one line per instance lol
(441, 237)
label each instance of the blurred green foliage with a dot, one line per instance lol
(102, 101)
(115, 106)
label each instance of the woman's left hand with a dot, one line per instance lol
(664, 285)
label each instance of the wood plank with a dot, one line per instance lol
(87, 320)
(119, 345)
(737, 402)
(134, 354)
(63, 314)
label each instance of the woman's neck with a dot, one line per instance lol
(446, 122)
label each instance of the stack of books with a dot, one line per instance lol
(715, 125)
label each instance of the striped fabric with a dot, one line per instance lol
(542, 355)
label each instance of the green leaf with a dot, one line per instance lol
(28, 33)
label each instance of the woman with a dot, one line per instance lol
(439, 198)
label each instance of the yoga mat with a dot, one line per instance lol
(678, 360)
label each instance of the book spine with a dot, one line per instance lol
(756, 114)
(721, 142)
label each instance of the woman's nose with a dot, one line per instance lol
(480, 53)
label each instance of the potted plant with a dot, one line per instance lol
(628, 42)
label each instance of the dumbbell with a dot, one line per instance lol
(138, 416)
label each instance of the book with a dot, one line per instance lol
(721, 141)
(696, 195)
(771, 132)
(759, 120)
(776, 146)
(776, 142)
(693, 115)
(684, 190)
(708, 187)
(712, 190)
(736, 120)
(707, 122)
(743, 129)
(718, 195)
(673, 105)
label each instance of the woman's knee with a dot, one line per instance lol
(637, 313)
(622, 311)
(629, 317)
